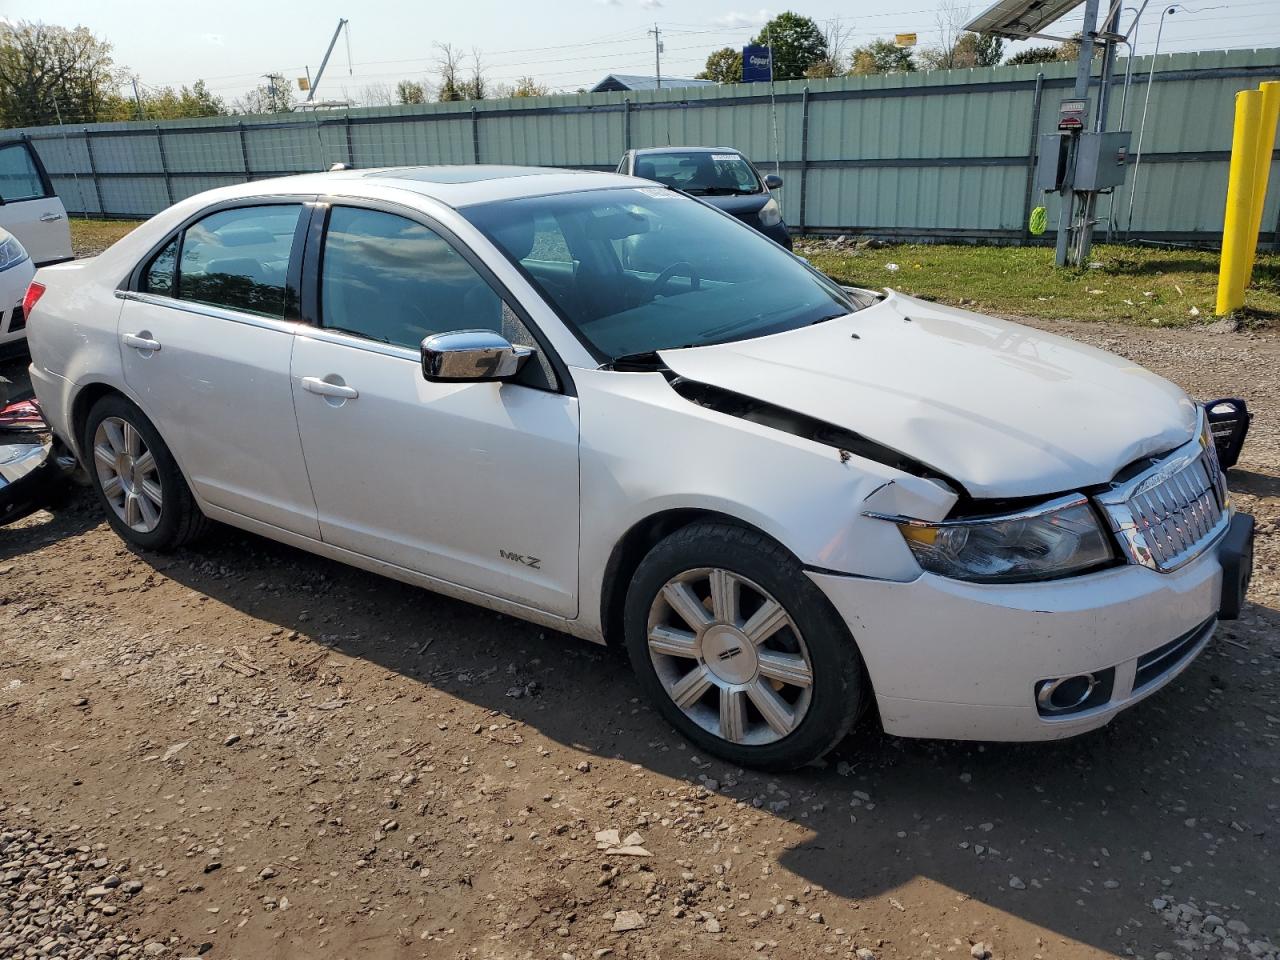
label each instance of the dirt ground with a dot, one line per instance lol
(243, 751)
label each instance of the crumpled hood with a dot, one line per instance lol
(1003, 409)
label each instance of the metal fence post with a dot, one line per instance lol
(164, 165)
(626, 123)
(475, 136)
(1029, 195)
(351, 154)
(93, 172)
(244, 152)
(804, 155)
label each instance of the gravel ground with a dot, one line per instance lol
(296, 759)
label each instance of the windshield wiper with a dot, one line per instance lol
(643, 360)
(719, 192)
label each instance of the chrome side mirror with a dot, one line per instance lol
(471, 355)
(773, 182)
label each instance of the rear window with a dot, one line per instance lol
(238, 259)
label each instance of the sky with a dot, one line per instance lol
(565, 44)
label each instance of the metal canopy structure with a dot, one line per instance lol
(1081, 160)
(1021, 19)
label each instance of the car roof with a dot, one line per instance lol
(642, 151)
(453, 185)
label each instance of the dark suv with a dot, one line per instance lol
(721, 176)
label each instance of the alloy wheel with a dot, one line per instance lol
(128, 474)
(729, 656)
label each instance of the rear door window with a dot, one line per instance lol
(19, 178)
(238, 259)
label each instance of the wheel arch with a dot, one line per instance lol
(632, 547)
(89, 393)
(81, 403)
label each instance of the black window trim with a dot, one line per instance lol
(320, 208)
(135, 282)
(42, 175)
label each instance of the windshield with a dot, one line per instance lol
(635, 270)
(700, 173)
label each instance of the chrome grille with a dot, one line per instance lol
(1169, 514)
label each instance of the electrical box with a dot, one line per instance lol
(1051, 161)
(1100, 160)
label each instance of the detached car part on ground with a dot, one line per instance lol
(602, 406)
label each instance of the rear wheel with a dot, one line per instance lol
(740, 650)
(147, 501)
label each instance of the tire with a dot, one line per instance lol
(718, 573)
(174, 520)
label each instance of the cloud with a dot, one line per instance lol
(735, 19)
(214, 38)
(609, 3)
(651, 4)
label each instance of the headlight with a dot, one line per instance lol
(1055, 540)
(770, 214)
(12, 253)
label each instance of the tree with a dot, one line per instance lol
(449, 63)
(797, 44)
(1070, 51)
(977, 50)
(1035, 55)
(723, 66)
(881, 56)
(410, 91)
(529, 87)
(378, 95)
(477, 86)
(274, 96)
(49, 73)
(958, 48)
(836, 37)
(165, 103)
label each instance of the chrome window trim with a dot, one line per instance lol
(337, 338)
(1031, 513)
(209, 310)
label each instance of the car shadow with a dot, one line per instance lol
(73, 511)
(1253, 483)
(882, 810)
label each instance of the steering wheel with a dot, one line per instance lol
(679, 268)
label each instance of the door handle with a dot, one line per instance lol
(140, 343)
(50, 217)
(326, 389)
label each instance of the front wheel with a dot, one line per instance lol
(740, 650)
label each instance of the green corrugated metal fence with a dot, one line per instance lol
(935, 155)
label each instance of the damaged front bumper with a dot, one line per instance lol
(965, 661)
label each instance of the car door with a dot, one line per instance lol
(29, 209)
(475, 483)
(206, 339)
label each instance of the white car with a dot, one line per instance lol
(16, 271)
(601, 406)
(29, 208)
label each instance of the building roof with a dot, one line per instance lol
(629, 81)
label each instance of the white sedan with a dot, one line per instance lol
(604, 407)
(16, 271)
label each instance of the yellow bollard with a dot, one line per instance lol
(1262, 169)
(1233, 271)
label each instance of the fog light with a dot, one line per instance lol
(1066, 695)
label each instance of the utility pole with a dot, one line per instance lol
(657, 52)
(273, 91)
(142, 114)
